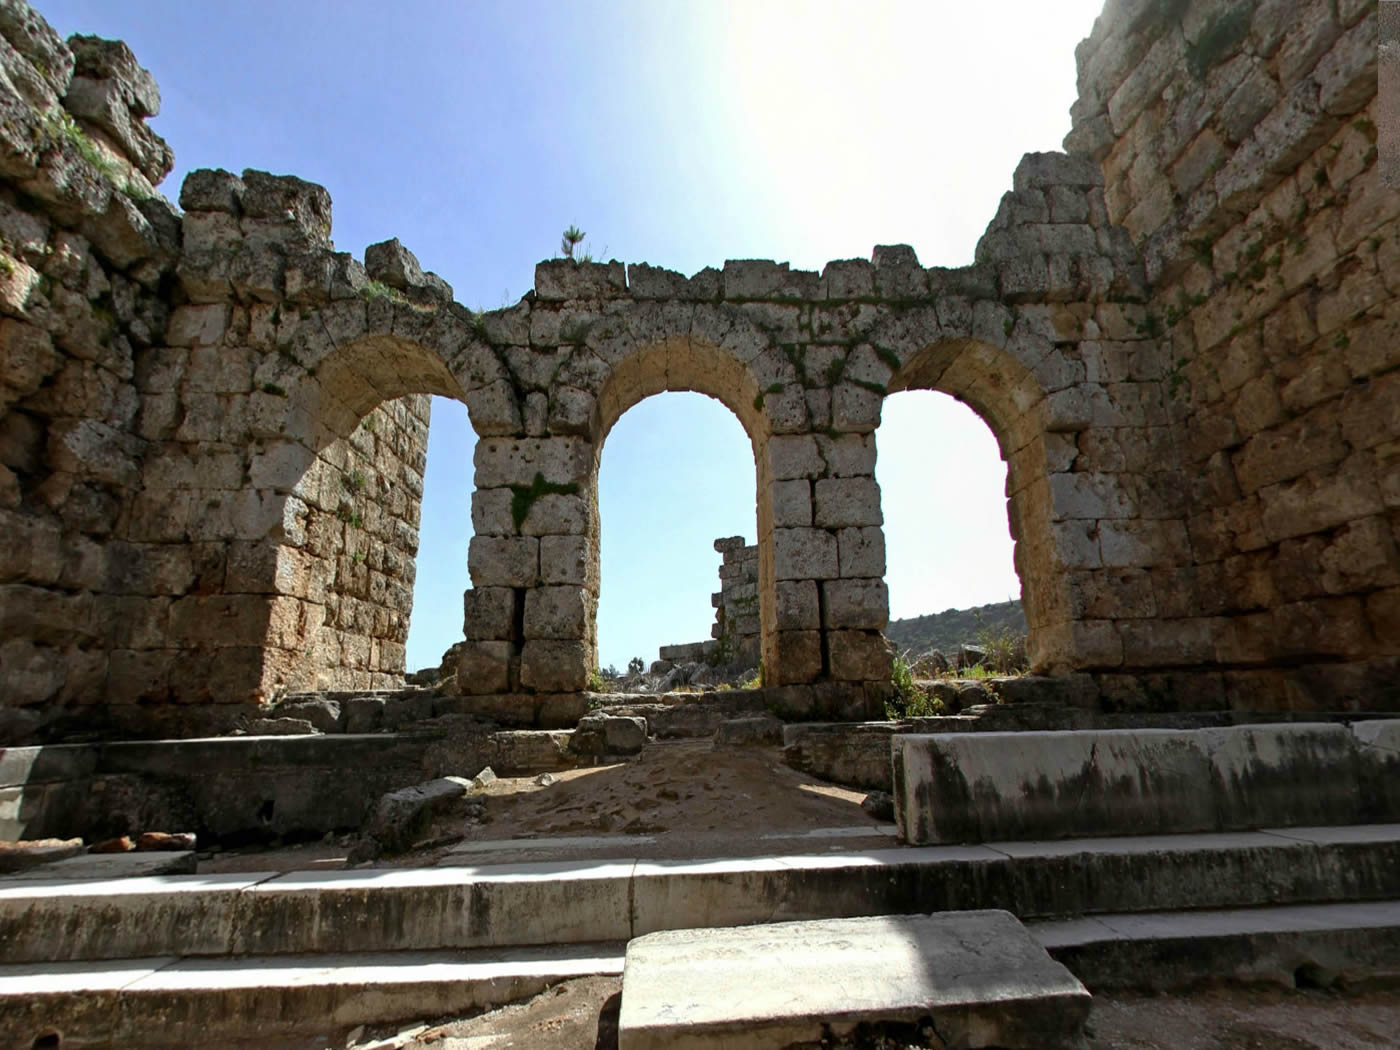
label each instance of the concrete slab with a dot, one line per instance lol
(116, 866)
(978, 976)
(203, 1002)
(1287, 944)
(983, 787)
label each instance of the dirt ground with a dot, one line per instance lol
(582, 1015)
(685, 791)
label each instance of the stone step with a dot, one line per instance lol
(594, 901)
(1290, 945)
(667, 844)
(977, 978)
(184, 1002)
(114, 866)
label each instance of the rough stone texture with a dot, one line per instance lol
(1182, 333)
(978, 975)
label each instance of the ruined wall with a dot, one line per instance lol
(736, 630)
(144, 531)
(1182, 333)
(1238, 143)
(736, 634)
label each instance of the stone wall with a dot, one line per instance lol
(153, 556)
(1182, 333)
(1238, 143)
(736, 630)
(735, 635)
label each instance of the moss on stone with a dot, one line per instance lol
(524, 496)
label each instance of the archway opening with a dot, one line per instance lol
(677, 474)
(444, 535)
(949, 551)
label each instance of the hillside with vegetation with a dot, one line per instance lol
(953, 627)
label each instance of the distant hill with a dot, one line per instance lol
(947, 630)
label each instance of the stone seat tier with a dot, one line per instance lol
(171, 1001)
(550, 903)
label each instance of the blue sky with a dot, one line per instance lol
(678, 134)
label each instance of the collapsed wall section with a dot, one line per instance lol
(1239, 147)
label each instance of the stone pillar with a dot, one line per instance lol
(530, 612)
(826, 549)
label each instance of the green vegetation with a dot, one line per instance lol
(909, 701)
(571, 239)
(274, 389)
(947, 630)
(525, 496)
(596, 682)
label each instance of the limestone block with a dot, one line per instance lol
(484, 667)
(842, 502)
(489, 614)
(561, 279)
(855, 408)
(491, 512)
(862, 552)
(517, 461)
(211, 189)
(848, 279)
(804, 554)
(557, 612)
(503, 561)
(797, 605)
(847, 455)
(860, 604)
(27, 31)
(798, 658)
(104, 102)
(565, 559)
(792, 503)
(859, 656)
(1091, 495)
(394, 265)
(556, 515)
(301, 208)
(1141, 544)
(554, 666)
(572, 411)
(794, 456)
(494, 409)
(27, 358)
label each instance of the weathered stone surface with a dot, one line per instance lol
(400, 816)
(609, 735)
(979, 976)
(1143, 782)
(759, 731)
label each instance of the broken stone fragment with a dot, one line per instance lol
(29, 853)
(150, 841)
(389, 262)
(99, 59)
(400, 816)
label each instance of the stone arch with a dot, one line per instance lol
(343, 461)
(1029, 424)
(683, 364)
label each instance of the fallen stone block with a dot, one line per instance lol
(977, 977)
(400, 816)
